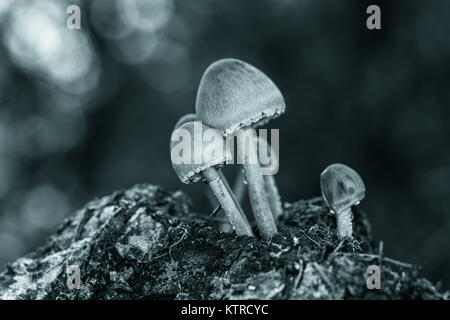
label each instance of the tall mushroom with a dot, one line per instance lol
(196, 158)
(234, 97)
(342, 188)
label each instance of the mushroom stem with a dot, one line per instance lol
(239, 186)
(233, 196)
(229, 206)
(256, 189)
(344, 223)
(273, 196)
(211, 198)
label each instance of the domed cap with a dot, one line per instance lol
(233, 94)
(203, 148)
(342, 187)
(186, 118)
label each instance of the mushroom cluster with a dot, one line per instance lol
(233, 99)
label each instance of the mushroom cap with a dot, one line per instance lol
(191, 171)
(233, 95)
(186, 118)
(342, 187)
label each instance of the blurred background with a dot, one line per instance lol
(86, 112)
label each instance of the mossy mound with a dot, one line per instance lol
(146, 243)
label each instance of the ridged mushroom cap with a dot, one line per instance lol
(186, 118)
(233, 95)
(342, 187)
(204, 153)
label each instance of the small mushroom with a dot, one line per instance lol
(270, 184)
(342, 188)
(202, 163)
(233, 97)
(193, 117)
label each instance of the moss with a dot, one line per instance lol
(146, 243)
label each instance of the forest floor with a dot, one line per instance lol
(147, 243)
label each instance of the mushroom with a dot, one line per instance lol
(193, 117)
(186, 118)
(342, 188)
(200, 159)
(270, 184)
(235, 97)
